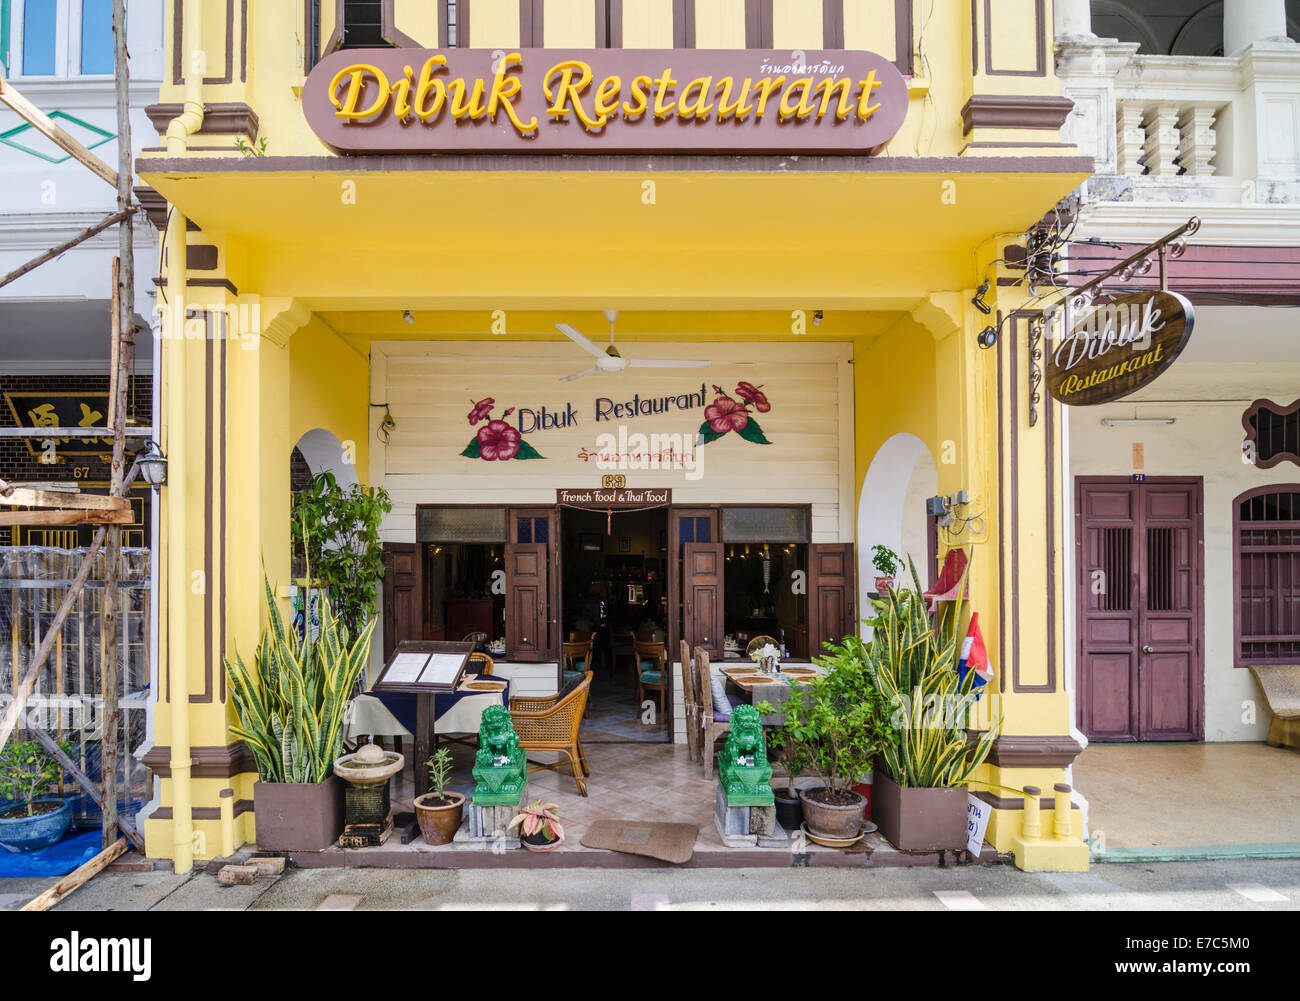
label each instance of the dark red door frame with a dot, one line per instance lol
(1196, 484)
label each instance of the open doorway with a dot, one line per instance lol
(615, 593)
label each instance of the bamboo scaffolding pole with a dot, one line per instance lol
(49, 255)
(78, 877)
(122, 347)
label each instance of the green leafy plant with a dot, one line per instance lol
(257, 149)
(336, 530)
(439, 768)
(291, 703)
(886, 562)
(837, 724)
(539, 816)
(27, 770)
(914, 661)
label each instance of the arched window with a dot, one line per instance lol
(1266, 585)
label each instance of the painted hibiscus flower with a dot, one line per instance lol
(725, 414)
(481, 410)
(750, 393)
(498, 440)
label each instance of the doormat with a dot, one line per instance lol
(673, 843)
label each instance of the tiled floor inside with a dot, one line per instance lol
(617, 716)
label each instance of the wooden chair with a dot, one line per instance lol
(651, 673)
(711, 729)
(576, 660)
(479, 663)
(622, 644)
(691, 701)
(551, 724)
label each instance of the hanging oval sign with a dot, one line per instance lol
(1119, 347)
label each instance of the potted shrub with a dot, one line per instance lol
(921, 779)
(539, 827)
(33, 821)
(887, 564)
(438, 811)
(834, 727)
(291, 705)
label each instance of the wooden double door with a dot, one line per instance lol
(1139, 552)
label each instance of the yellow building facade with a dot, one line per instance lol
(289, 269)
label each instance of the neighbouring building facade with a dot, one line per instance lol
(1188, 491)
(378, 214)
(55, 330)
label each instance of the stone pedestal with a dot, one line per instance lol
(747, 826)
(486, 830)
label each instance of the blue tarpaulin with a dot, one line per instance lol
(75, 850)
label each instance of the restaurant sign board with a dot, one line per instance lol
(1119, 347)
(408, 100)
(618, 497)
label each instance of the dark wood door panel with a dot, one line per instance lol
(527, 601)
(1139, 609)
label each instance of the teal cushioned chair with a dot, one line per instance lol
(652, 673)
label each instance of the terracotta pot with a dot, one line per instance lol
(920, 819)
(439, 824)
(298, 816)
(541, 845)
(832, 822)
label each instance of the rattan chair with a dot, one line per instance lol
(480, 663)
(691, 703)
(711, 729)
(651, 672)
(758, 642)
(551, 724)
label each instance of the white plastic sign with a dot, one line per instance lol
(977, 822)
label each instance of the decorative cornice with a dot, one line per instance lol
(284, 321)
(1014, 111)
(1238, 225)
(233, 118)
(941, 313)
(206, 762)
(1017, 751)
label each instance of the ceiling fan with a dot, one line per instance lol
(609, 360)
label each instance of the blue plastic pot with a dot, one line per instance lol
(31, 834)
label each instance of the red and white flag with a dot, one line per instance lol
(974, 657)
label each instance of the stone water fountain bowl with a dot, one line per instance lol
(369, 766)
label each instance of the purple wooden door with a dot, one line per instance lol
(1140, 667)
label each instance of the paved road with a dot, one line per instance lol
(1238, 885)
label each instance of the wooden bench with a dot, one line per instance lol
(1281, 685)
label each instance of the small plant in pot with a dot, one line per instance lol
(887, 563)
(834, 727)
(539, 827)
(33, 821)
(438, 811)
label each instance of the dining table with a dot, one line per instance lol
(748, 685)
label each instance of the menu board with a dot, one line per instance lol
(424, 667)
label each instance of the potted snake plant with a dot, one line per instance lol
(291, 703)
(921, 779)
